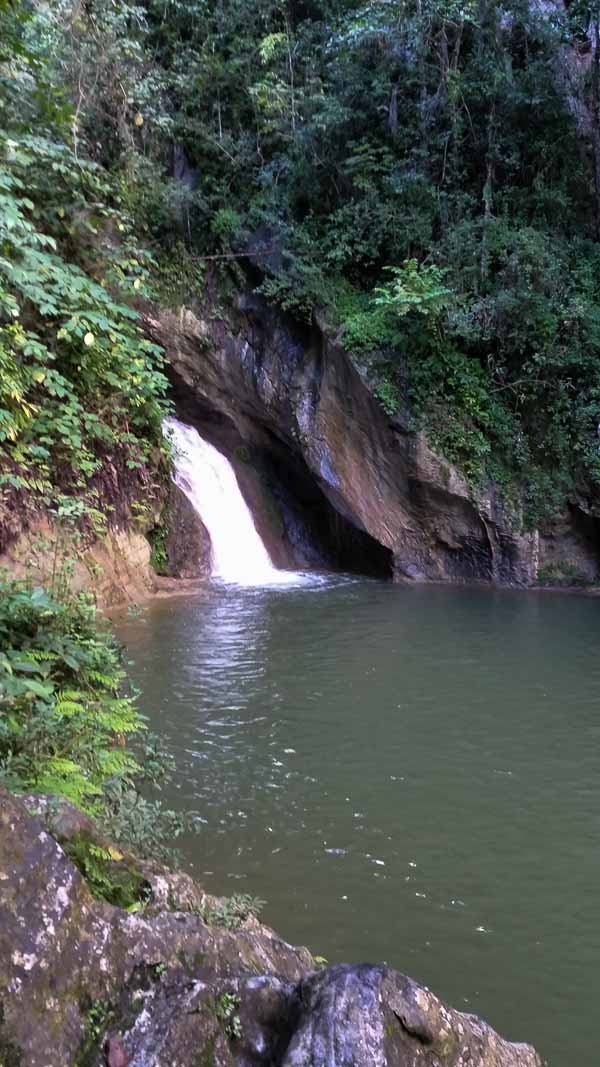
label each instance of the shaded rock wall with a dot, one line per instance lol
(187, 541)
(330, 479)
(87, 984)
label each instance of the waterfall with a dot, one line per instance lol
(209, 482)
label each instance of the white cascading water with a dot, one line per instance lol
(209, 482)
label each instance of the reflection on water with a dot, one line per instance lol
(404, 774)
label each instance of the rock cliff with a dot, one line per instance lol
(119, 566)
(330, 478)
(84, 983)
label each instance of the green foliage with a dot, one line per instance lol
(108, 874)
(452, 394)
(460, 168)
(232, 912)
(226, 1010)
(81, 388)
(66, 725)
(414, 168)
(78, 381)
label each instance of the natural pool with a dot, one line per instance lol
(404, 774)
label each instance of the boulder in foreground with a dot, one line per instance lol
(85, 983)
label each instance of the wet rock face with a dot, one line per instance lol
(366, 1016)
(187, 544)
(350, 488)
(86, 984)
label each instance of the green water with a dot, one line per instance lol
(409, 775)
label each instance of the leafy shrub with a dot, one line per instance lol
(79, 383)
(561, 573)
(388, 393)
(366, 327)
(67, 726)
(177, 278)
(415, 288)
(226, 224)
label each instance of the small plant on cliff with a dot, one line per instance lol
(159, 558)
(109, 874)
(226, 1010)
(232, 911)
(67, 726)
(97, 1017)
(561, 573)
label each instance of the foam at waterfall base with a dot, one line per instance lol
(280, 580)
(205, 475)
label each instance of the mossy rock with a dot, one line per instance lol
(109, 874)
(86, 981)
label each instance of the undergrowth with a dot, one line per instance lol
(109, 875)
(81, 388)
(69, 724)
(232, 912)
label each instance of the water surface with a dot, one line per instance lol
(404, 774)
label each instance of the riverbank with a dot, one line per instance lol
(182, 980)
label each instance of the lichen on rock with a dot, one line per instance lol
(88, 984)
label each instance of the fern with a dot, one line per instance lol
(64, 777)
(61, 738)
(65, 726)
(116, 762)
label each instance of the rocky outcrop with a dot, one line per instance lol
(330, 478)
(187, 541)
(83, 982)
(115, 567)
(372, 1016)
(74, 970)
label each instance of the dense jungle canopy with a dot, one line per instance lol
(426, 174)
